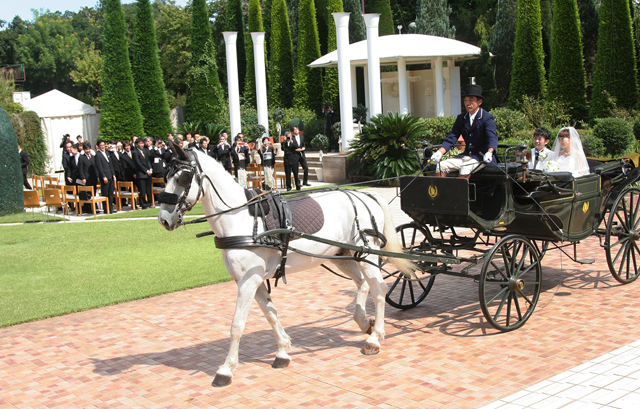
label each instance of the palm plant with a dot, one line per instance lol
(384, 148)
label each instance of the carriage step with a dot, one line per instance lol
(585, 260)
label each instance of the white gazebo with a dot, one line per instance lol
(426, 92)
(62, 114)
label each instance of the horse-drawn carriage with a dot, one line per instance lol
(497, 226)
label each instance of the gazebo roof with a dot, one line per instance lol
(415, 48)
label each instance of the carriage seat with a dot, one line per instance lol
(558, 185)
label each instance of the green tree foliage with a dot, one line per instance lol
(120, 117)
(281, 63)
(383, 7)
(381, 147)
(567, 80)
(546, 16)
(433, 18)
(308, 81)
(48, 49)
(527, 68)
(616, 135)
(88, 24)
(9, 33)
(147, 74)
(255, 25)
(28, 129)
(322, 18)
(292, 12)
(588, 10)
(204, 97)
(404, 13)
(267, 26)
(482, 69)
(87, 77)
(357, 30)
(467, 15)
(504, 35)
(235, 22)
(11, 181)
(330, 89)
(615, 73)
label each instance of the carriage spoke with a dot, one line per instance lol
(634, 216)
(517, 304)
(413, 297)
(404, 287)
(504, 299)
(499, 270)
(624, 256)
(626, 214)
(617, 214)
(618, 242)
(525, 297)
(497, 295)
(395, 284)
(508, 317)
(615, 259)
(633, 253)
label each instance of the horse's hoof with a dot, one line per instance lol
(221, 380)
(280, 363)
(370, 348)
(372, 322)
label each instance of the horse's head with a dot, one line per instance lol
(184, 187)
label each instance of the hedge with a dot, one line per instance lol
(11, 200)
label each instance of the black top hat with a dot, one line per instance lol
(473, 90)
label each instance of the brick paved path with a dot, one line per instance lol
(164, 351)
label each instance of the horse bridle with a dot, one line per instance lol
(189, 167)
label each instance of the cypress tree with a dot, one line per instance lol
(11, 200)
(204, 94)
(281, 62)
(615, 66)
(255, 25)
(330, 88)
(308, 81)
(386, 18)
(120, 116)
(267, 26)
(433, 18)
(147, 74)
(504, 34)
(357, 30)
(588, 10)
(322, 18)
(235, 22)
(527, 68)
(567, 81)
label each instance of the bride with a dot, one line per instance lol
(567, 154)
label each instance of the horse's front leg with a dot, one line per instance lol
(378, 292)
(247, 287)
(284, 342)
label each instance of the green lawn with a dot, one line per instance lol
(36, 217)
(152, 212)
(53, 269)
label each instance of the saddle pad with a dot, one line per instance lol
(306, 214)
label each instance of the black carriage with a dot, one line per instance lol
(496, 227)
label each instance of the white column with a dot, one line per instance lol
(373, 59)
(261, 80)
(230, 38)
(439, 86)
(402, 86)
(344, 77)
(454, 89)
(354, 85)
(366, 92)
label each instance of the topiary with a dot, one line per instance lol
(508, 122)
(11, 180)
(437, 129)
(385, 145)
(592, 145)
(616, 135)
(320, 142)
(636, 128)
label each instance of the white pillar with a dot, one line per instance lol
(261, 80)
(366, 92)
(230, 38)
(402, 86)
(373, 59)
(344, 77)
(354, 85)
(454, 89)
(439, 86)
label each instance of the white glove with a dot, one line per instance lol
(488, 156)
(436, 157)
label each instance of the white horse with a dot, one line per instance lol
(194, 176)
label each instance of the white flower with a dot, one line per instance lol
(543, 155)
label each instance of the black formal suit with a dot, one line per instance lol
(158, 162)
(74, 169)
(104, 167)
(479, 136)
(87, 170)
(116, 161)
(143, 179)
(291, 163)
(66, 159)
(128, 167)
(222, 153)
(302, 158)
(24, 162)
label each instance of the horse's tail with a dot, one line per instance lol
(407, 267)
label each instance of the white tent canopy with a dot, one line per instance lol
(62, 114)
(414, 48)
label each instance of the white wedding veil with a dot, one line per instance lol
(575, 161)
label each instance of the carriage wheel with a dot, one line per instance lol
(405, 292)
(510, 282)
(542, 246)
(623, 233)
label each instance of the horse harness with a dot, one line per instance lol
(272, 209)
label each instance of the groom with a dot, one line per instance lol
(477, 128)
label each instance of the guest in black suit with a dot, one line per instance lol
(291, 159)
(87, 175)
(73, 164)
(128, 167)
(106, 174)
(115, 155)
(24, 162)
(298, 142)
(158, 159)
(222, 152)
(143, 173)
(66, 159)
